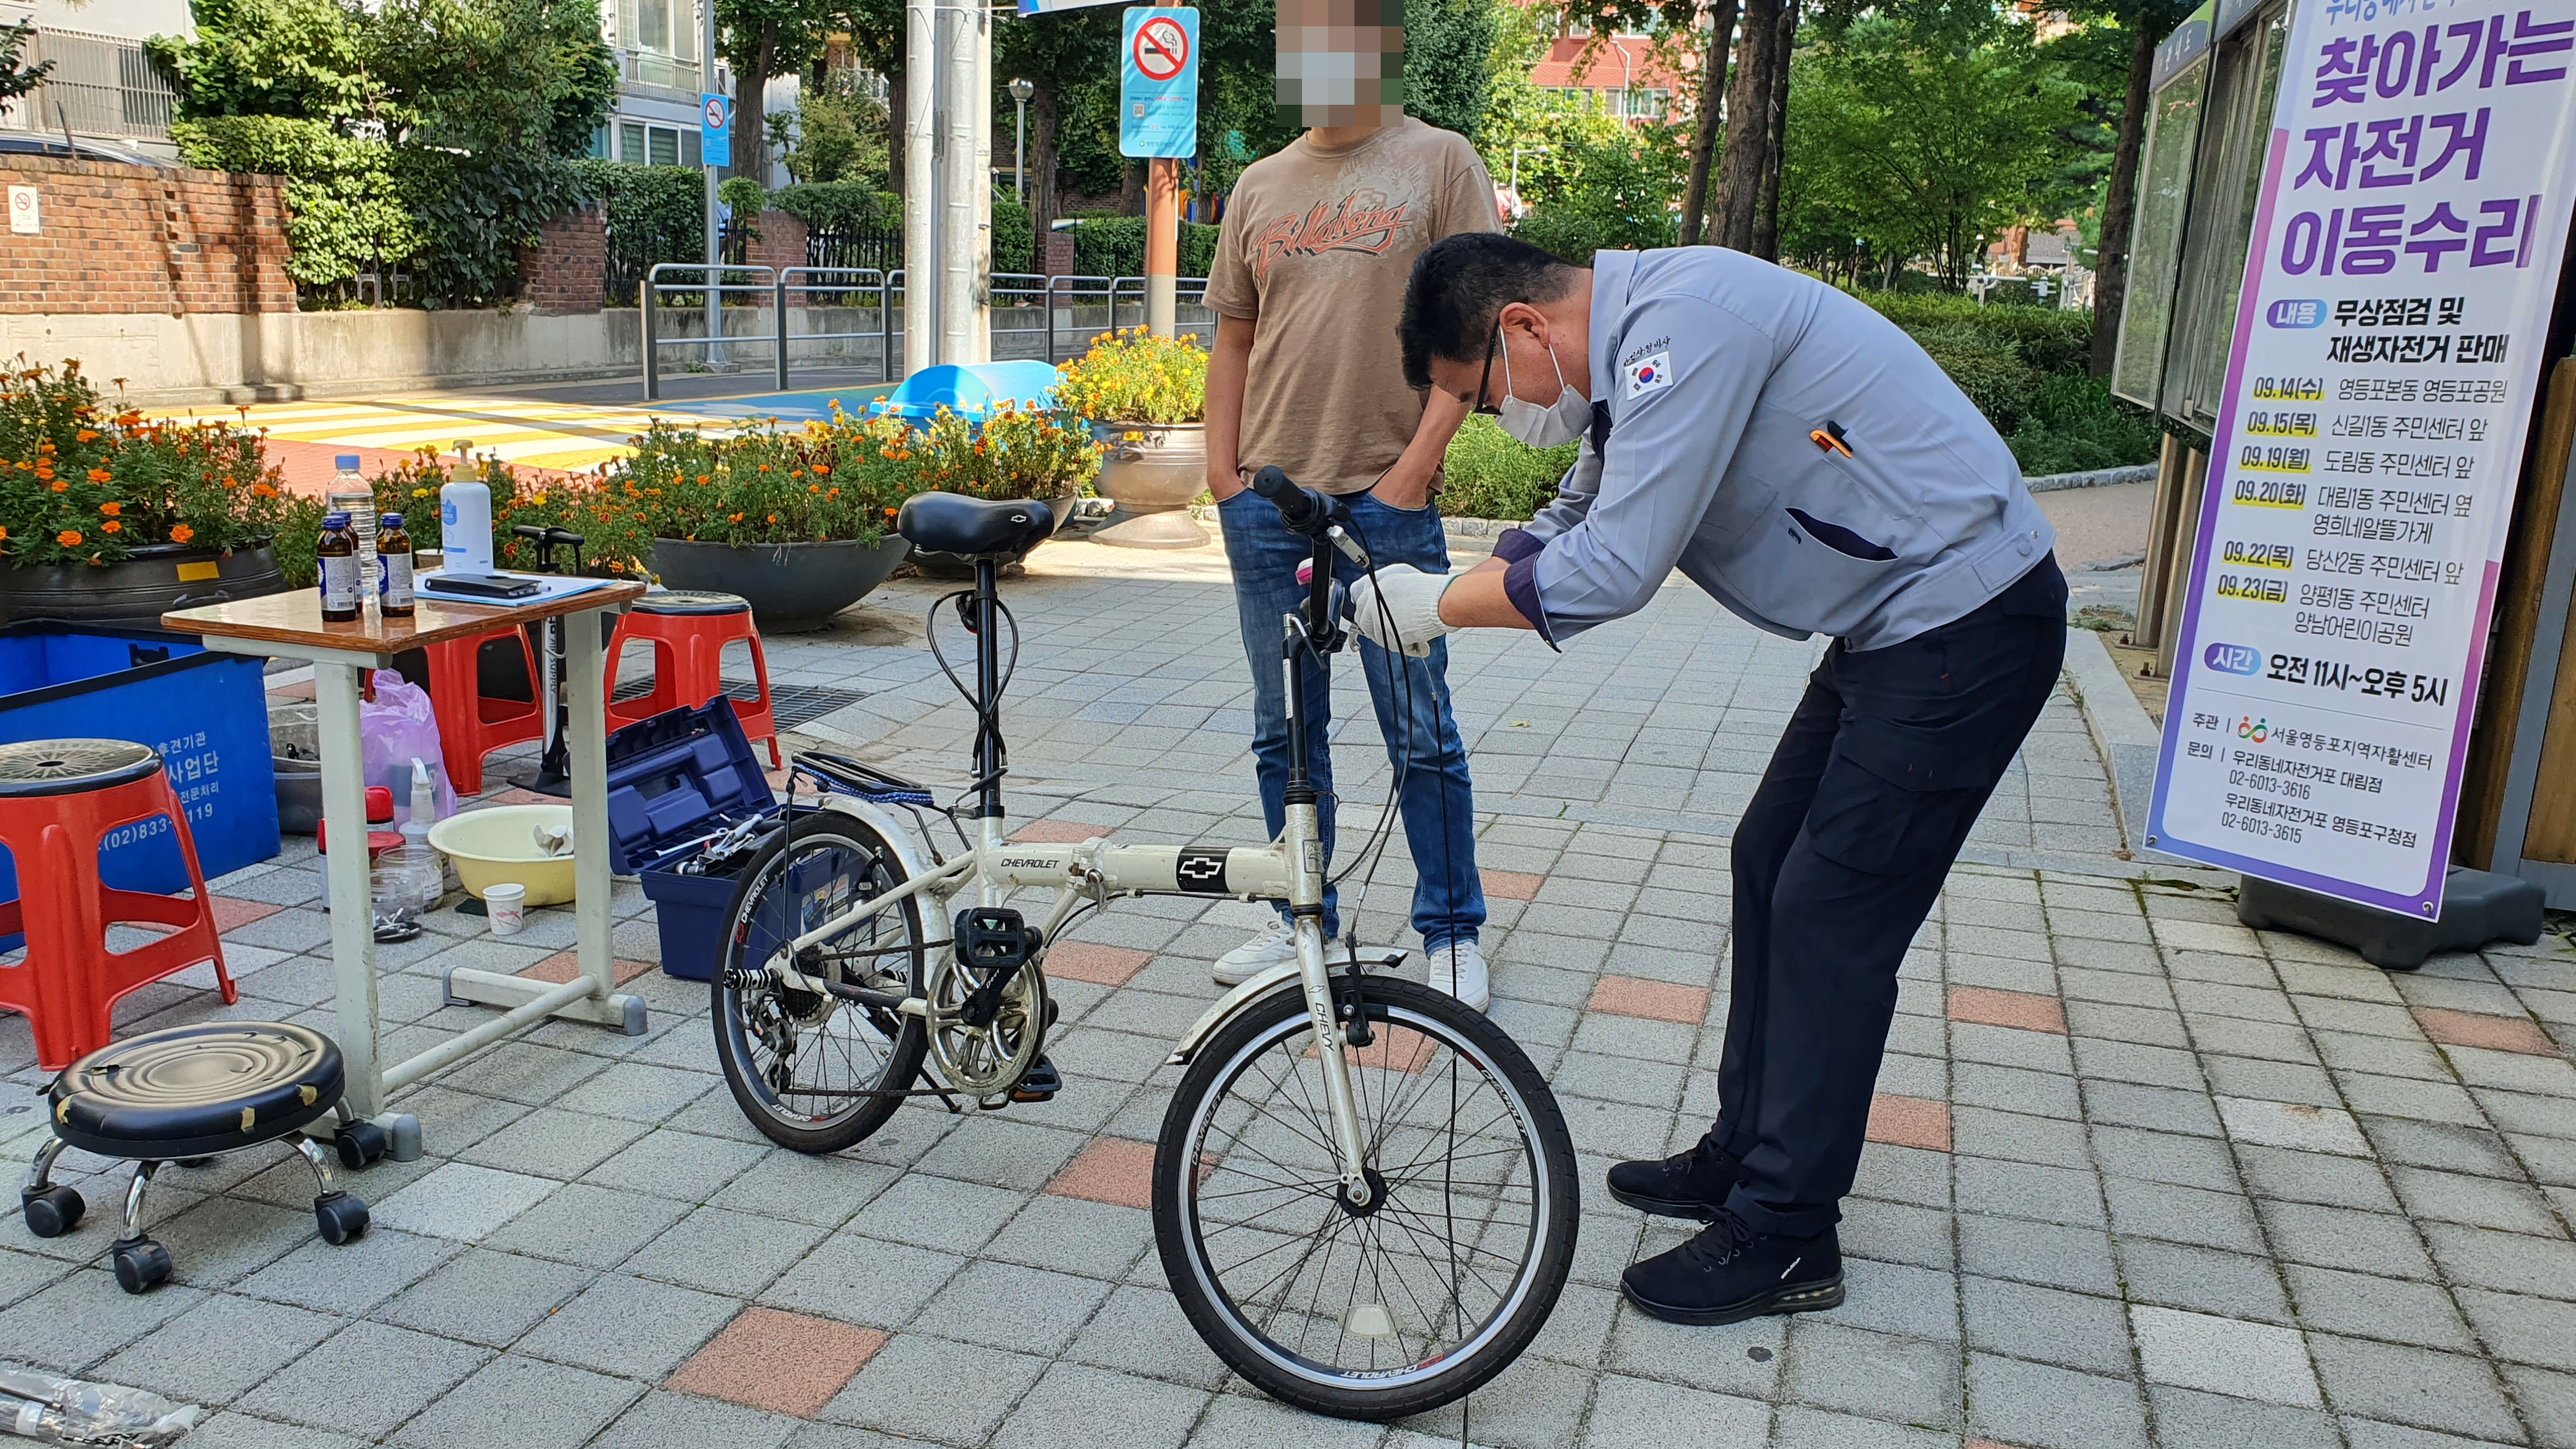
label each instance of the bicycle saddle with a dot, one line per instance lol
(973, 527)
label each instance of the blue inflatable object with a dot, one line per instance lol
(972, 390)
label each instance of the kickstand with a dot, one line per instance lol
(940, 1092)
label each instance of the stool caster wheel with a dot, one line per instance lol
(141, 1264)
(342, 1218)
(52, 1211)
(360, 1143)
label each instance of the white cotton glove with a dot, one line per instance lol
(1398, 608)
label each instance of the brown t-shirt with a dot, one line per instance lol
(1317, 244)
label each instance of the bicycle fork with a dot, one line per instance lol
(1303, 840)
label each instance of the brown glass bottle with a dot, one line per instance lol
(336, 558)
(393, 548)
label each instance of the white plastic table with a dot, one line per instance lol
(290, 625)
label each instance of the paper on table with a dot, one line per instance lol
(549, 586)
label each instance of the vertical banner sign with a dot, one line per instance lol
(1158, 85)
(715, 144)
(2388, 345)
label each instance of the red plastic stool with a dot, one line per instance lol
(471, 726)
(58, 800)
(688, 630)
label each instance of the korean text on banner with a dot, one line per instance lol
(715, 140)
(2388, 342)
(1158, 86)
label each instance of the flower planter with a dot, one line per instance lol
(792, 587)
(954, 566)
(1151, 471)
(135, 594)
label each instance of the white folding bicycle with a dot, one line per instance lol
(1363, 1192)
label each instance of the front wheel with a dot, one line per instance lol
(1407, 1305)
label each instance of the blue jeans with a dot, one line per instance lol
(1438, 802)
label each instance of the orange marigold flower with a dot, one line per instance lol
(182, 533)
(4, 532)
(773, 518)
(110, 526)
(111, 509)
(262, 490)
(98, 475)
(59, 485)
(813, 487)
(764, 467)
(85, 435)
(823, 469)
(68, 538)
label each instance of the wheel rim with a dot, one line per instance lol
(805, 1057)
(1447, 1259)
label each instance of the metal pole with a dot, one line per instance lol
(885, 319)
(652, 344)
(1047, 299)
(957, 183)
(1162, 242)
(779, 307)
(715, 219)
(1020, 151)
(920, 186)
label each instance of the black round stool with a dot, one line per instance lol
(183, 1093)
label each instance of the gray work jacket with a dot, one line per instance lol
(1793, 452)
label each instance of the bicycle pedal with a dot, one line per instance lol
(994, 938)
(1040, 1085)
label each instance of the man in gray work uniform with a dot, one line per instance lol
(1801, 459)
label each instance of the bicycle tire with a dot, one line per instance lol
(1190, 1267)
(753, 1091)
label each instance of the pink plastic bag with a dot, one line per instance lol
(398, 728)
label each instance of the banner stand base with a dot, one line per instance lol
(2478, 906)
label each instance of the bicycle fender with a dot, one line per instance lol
(1253, 989)
(896, 836)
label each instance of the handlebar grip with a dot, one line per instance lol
(1302, 509)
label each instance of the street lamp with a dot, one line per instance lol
(1021, 91)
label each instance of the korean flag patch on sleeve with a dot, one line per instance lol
(1649, 373)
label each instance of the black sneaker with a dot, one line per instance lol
(1691, 1184)
(1730, 1273)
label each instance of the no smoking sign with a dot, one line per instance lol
(1158, 89)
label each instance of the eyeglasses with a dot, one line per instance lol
(1486, 377)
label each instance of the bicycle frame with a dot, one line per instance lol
(1289, 868)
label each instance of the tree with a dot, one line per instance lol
(1927, 139)
(1704, 132)
(2145, 24)
(1449, 62)
(298, 58)
(17, 79)
(762, 39)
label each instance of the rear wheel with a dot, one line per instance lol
(803, 1065)
(1407, 1304)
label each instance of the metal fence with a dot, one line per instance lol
(99, 86)
(837, 248)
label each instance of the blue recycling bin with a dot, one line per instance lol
(971, 390)
(205, 712)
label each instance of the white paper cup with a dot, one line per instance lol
(507, 903)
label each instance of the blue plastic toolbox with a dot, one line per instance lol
(675, 782)
(206, 713)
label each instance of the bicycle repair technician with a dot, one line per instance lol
(1796, 455)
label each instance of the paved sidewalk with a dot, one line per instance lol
(2139, 1176)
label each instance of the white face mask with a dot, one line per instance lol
(1558, 423)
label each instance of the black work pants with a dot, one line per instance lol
(1884, 767)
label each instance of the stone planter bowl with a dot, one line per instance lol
(159, 578)
(792, 587)
(1151, 477)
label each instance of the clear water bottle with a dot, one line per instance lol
(350, 494)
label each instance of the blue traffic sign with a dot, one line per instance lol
(715, 143)
(1158, 86)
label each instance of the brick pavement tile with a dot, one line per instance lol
(1099, 965)
(550, 1142)
(2162, 1109)
(2361, 1305)
(1073, 1402)
(2507, 1262)
(563, 966)
(485, 1297)
(2078, 1259)
(1056, 832)
(1652, 1000)
(2027, 1190)
(1736, 1358)
(784, 1363)
(680, 1165)
(1533, 1403)
(2045, 1407)
(2493, 1033)
(219, 1349)
(1895, 1298)
(1235, 1421)
(228, 1429)
(923, 1387)
(462, 1202)
(402, 1372)
(2021, 1010)
(2223, 1220)
(2331, 1237)
(1002, 1305)
(1109, 1171)
(863, 1280)
(1641, 1414)
(2010, 1089)
(582, 1223)
(1141, 1330)
(2369, 1095)
(1904, 1174)
(24, 1274)
(2165, 1157)
(351, 1278)
(2204, 1280)
(1797, 1427)
(1834, 1366)
(2146, 1025)
(2521, 1329)
(2548, 1400)
(2052, 1141)
(2229, 1356)
(659, 1420)
(1909, 1122)
(1075, 1235)
(2482, 1202)
(524, 1403)
(2452, 1392)
(721, 1251)
(2372, 1434)
(2139, 1062)
(2036, 1051)
(1890, 1232)
(2024, 1321)
(223, 1239)
(629, 1326)
(2293, 1125)
(2190, 1419)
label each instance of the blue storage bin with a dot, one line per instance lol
(675, 782)
(972, 390)
(207, 714)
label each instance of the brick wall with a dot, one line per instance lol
(1059, 254)
(781, 245)
(567, 270)
(138, 239)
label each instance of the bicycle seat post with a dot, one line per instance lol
(988, 691)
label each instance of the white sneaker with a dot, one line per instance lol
(1275, 946)
(1459, 969)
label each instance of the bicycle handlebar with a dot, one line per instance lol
(1303, 509)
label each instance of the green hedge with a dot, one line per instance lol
(840, 203)
(1490, 474)
(1114, 246)
(1014, 247)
